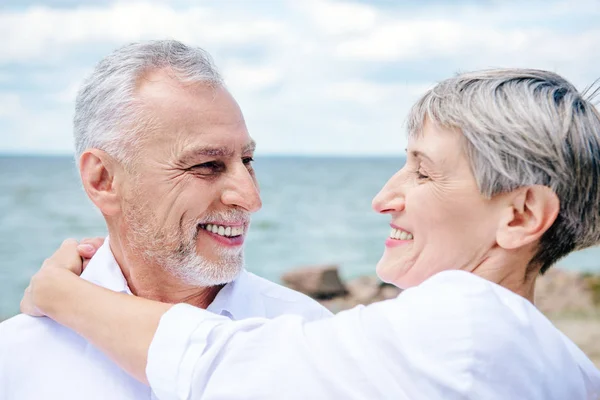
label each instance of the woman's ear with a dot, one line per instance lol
(98, 173)
(530, 212)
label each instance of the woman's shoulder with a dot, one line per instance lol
(461, 293)
(500, 336)
(461, 288)
(490, 314)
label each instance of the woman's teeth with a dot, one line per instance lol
(399, 234)
(226, 231)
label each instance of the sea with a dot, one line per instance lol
(316, 210)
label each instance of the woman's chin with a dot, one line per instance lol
(392, 274)
(399, 273)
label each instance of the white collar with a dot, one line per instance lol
(103, 270)
(237, 300)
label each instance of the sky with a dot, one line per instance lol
(320, 77)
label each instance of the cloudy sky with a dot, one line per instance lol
(312, 76)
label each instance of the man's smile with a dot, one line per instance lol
(224, 230)
(228, 235)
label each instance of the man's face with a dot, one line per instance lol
(192, 188)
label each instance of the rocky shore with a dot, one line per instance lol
(570, 299)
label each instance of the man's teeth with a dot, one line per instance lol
(227, 231)
(399, 234)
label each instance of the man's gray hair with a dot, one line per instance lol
(526, 127)
(106, 114)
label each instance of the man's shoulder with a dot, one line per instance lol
(32, 344)
(280, 300)
(25, 333)
(40, 358)
(23, 328)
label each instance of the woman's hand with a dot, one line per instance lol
(87, 248)
(70, 258)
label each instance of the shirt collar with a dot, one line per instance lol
(239, 299)
(103, 270)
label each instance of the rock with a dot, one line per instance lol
(339, 303)
(388, 291)
(319, 282)
(369, 289)
(593, 283)
(559, 291)
(364, 289)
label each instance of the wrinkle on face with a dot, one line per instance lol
(192, 124)
(452, 223)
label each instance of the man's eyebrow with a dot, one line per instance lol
(250, 147)
(213, 151)
(205, 151)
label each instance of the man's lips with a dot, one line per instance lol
(232, 234)
(225, 230)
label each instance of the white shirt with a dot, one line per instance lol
(40, 359)
(455, 336)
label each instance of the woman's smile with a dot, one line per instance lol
(398, 237)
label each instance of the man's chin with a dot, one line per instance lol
(199, 271)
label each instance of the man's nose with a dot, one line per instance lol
(391, 197)
(242, 191)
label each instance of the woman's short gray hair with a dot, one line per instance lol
(526, 127)
(106, 116)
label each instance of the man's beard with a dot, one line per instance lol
(175, 249)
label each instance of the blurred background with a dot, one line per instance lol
(324, 86)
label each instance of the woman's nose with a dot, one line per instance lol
(390, 198)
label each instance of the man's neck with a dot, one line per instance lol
(152, 282)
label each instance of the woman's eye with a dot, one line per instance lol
(421, 175)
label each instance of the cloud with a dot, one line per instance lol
(42, 34)
(340, 18)
(315, 76)
(10, 105)
(251, 78)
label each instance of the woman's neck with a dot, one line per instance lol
(513, 274)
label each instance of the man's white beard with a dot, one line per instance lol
(176, 251)
(193, 269)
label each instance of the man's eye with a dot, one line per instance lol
(247, 160)
(207, 168)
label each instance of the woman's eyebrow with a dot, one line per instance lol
(420, 154)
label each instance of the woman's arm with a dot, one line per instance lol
(415, 346)
(195, 353)
(119, 324)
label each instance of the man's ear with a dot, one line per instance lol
(529, 213)
(98, 173)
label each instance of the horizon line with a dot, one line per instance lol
(274, 155)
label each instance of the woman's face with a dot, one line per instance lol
(439, 219)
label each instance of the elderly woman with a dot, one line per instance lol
(502, 179)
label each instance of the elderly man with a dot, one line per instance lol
(165, 155)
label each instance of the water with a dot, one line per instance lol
(315, 210)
